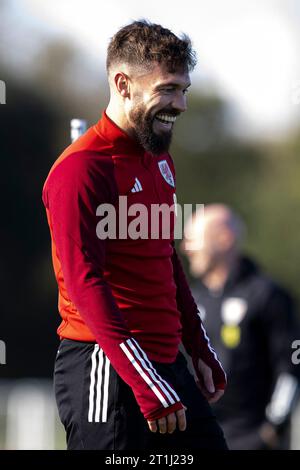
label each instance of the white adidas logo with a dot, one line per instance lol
(137, 186)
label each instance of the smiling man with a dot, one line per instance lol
(120, 380)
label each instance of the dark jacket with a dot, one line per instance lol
(252, 325)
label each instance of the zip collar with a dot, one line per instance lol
(121, 142)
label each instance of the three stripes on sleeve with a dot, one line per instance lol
(100, 376)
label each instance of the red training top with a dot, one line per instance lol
(128, 295)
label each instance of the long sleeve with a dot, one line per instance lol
(194, 337)
(73, 192)
(281, 328)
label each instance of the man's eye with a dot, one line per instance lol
(185, 91)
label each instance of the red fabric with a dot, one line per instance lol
(113, 290)
(165, 412)
(194, 337)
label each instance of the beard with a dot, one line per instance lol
(143, 127)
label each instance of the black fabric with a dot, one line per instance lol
(126, 428)
(262, 353)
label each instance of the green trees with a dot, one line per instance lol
(260, 180)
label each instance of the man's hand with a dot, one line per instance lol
(206, 384)
(169, 423)
(269, 435)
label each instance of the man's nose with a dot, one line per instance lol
(180, 102)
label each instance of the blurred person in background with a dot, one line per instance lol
(120, 380)
(252, 323)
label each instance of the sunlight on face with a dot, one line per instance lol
(157, 98)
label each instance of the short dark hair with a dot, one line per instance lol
(142, 43)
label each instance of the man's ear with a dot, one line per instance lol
(122, 84)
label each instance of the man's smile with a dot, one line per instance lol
(165, 118)
(164, 121)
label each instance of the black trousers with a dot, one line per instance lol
(99, 411)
